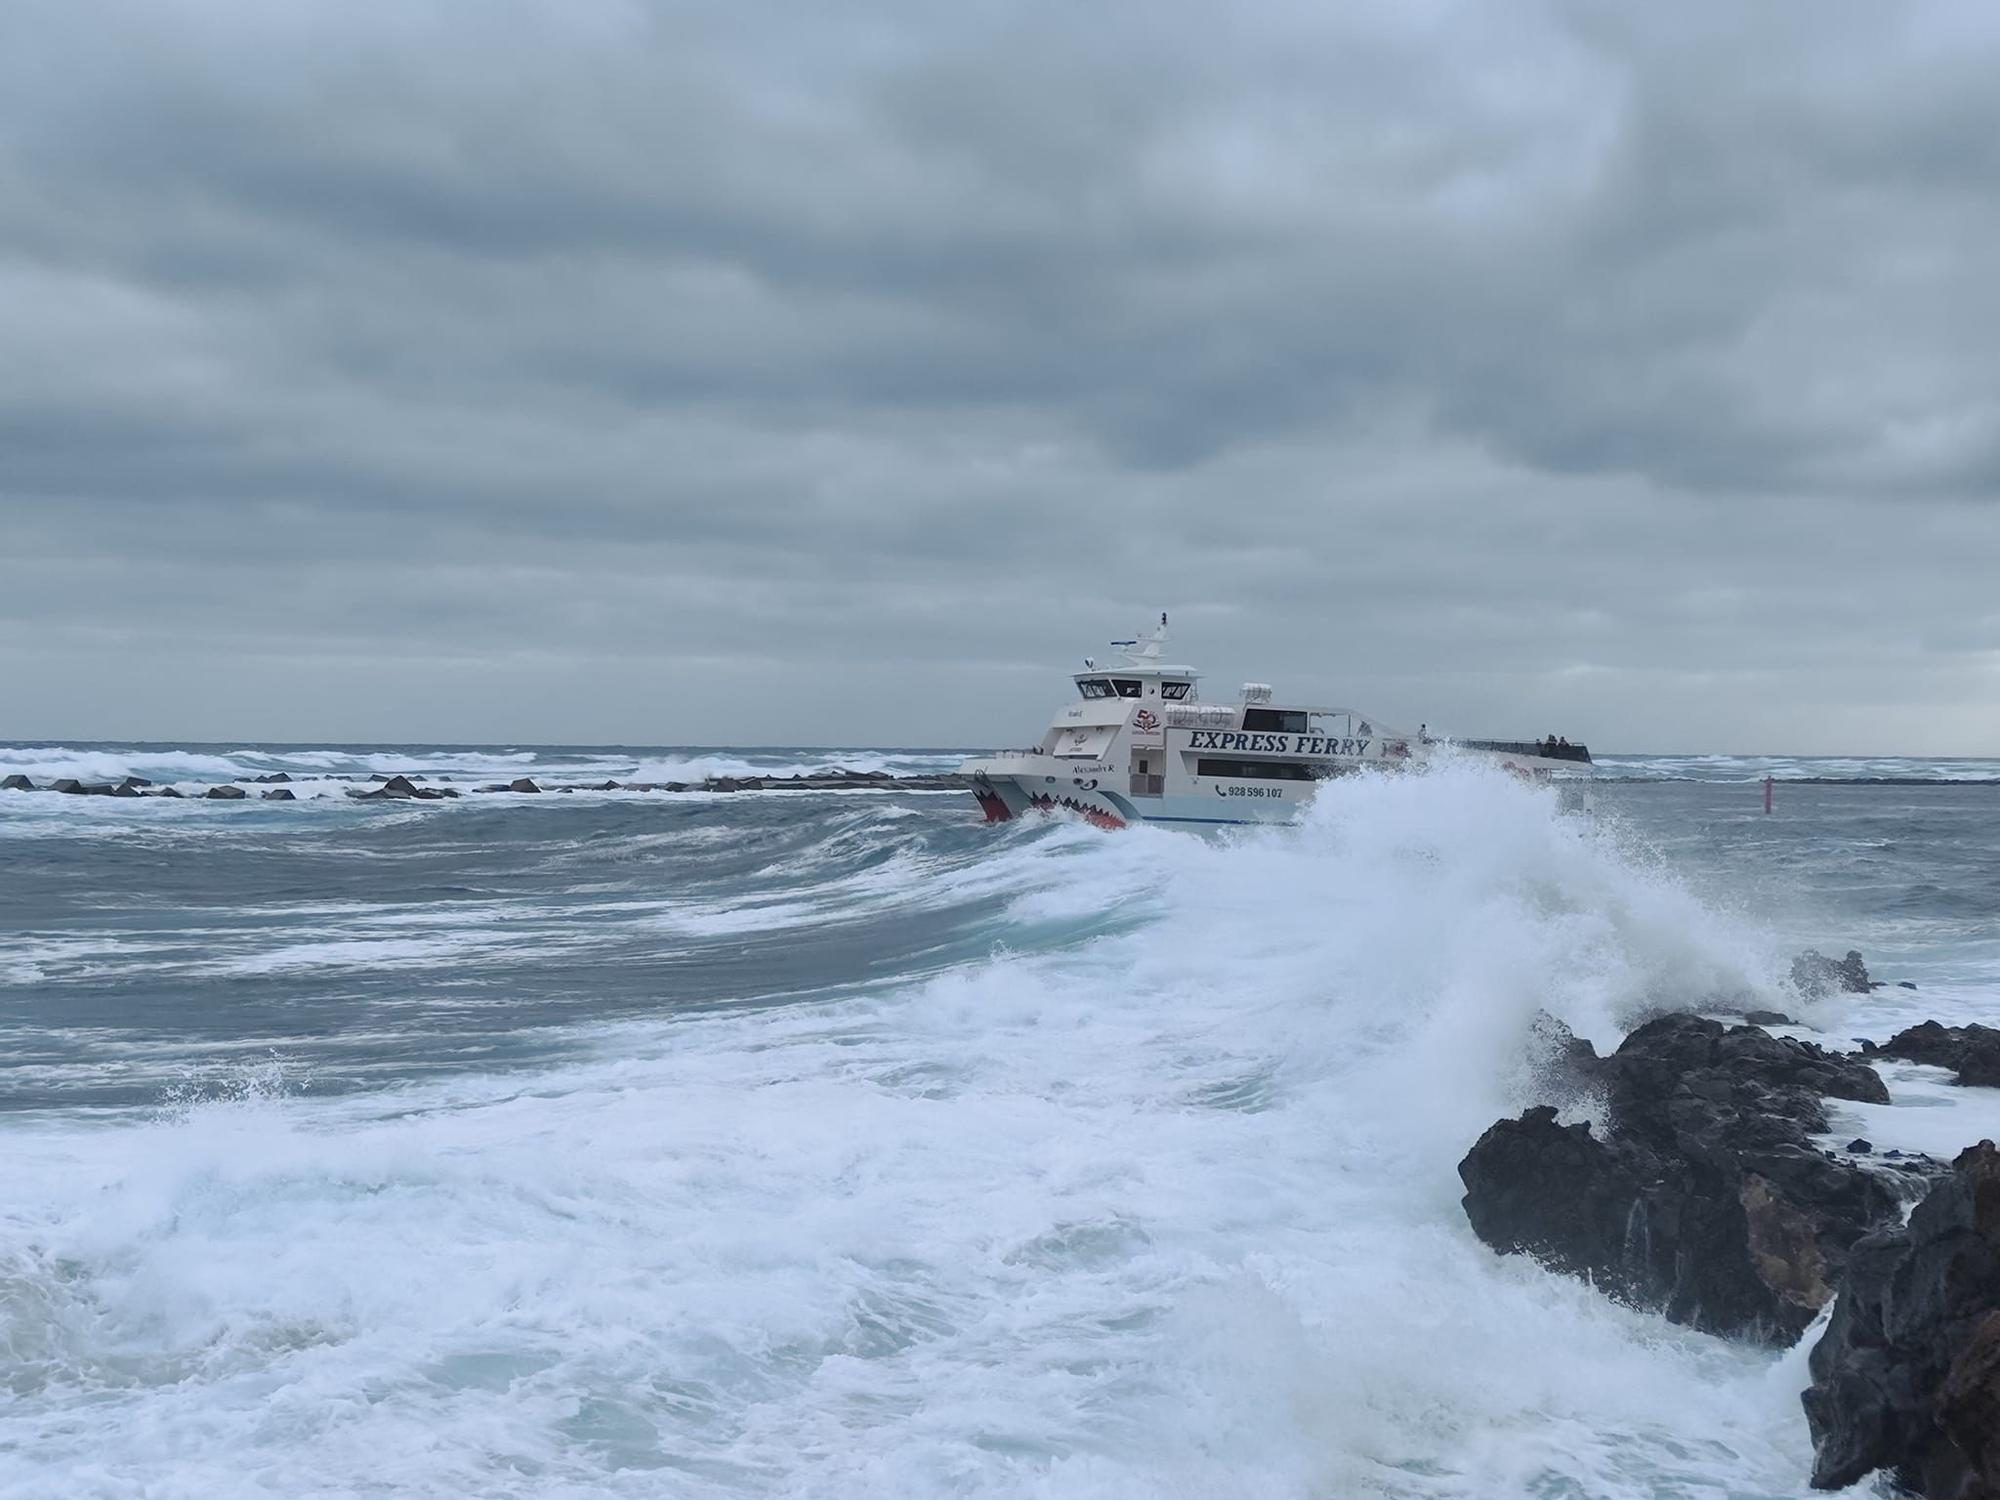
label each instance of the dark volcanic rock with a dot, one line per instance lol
(1562, 1065)
(281, 794)
(1907, 1376)
(393, 788)
(1972, 1052)
(1766, 1018)
(226, 794)
(273, 778)
(67, 785)
(1968, 1407)
(135, 782)
(166, 791)
(1705, 1197)
(125, 789)
(16, 784)
(1815, 975)
(523, 784)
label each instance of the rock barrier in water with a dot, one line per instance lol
(1704, 1196)
(1972, 1052)
(417, 786)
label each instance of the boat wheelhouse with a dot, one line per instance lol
(1139, 745)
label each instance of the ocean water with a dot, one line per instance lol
(839, 1144)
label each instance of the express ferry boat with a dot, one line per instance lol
(1142, 747)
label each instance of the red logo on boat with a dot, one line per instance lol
(1145, 718)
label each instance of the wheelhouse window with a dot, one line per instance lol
(1128, 687)
(1256, 770)
(1283, 720)
(1095, 687)
(1175, 692)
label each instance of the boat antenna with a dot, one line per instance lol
(1145, 647)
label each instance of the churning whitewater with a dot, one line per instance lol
(840, 1145)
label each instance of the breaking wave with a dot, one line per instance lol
(1149, 1190)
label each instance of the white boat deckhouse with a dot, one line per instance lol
(1139, 745)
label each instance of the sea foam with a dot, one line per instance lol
(1155, 1198)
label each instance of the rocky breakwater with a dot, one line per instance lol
(416, 786)
(1703, 1195)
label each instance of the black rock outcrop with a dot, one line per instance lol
(1814, 974)
(281, 794)
(225, 794)
(1907, 1375)
(523, 784)
(1705, 1196)
(1972, 1052)
(16, 783)
(393, 788)
(1562, 1066)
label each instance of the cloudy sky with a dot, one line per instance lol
(778, 373)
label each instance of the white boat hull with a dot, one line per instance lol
(1011, 786)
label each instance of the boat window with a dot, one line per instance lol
(1174, 692)
(1095, 687)
(1256, 770)
(1128, 687)
(1284, 720)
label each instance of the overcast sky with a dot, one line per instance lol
(839, 374)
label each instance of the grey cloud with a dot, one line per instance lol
(1480, 358)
